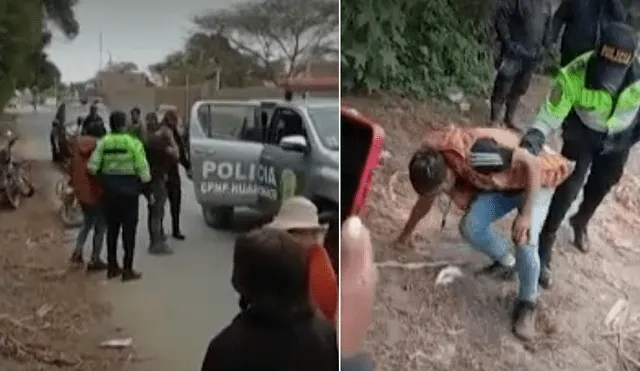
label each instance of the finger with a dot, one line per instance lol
(355, 251)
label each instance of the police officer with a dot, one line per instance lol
(174, 186)
(595, 99)
(523, 29)
(119, 162)
(583, 21)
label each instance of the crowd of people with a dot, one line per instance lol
(284, 272)
(109, 171)
(490, 171)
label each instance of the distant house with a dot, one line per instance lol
(116, 81)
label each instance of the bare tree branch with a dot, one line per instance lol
(276, 29)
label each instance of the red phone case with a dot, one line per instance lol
(372, 161)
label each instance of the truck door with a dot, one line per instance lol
(225, 148)
(281, 172)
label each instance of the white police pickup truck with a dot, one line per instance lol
(258, 153)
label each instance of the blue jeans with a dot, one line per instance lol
(476, 228)
(93, 220)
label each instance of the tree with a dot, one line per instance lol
(204, 57)
(17, 42)
(122, 67)
(61, 14)
(269, 30)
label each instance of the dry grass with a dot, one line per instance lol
(51, 317)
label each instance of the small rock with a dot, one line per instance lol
(455, 95)
(464, 106)
(117, 343)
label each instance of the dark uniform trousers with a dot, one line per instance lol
(155, 215)
(512, 82)
(606, 171)
(121, 214)
(174, 194)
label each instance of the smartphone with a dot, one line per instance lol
(361, 145)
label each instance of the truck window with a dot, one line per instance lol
(232, 122)
(285, 122)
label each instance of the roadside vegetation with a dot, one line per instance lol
(25, 31)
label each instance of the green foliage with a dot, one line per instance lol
(23, 37)
(416, 47)
(17, 42)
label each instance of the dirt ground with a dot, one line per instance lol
(51, 317)
(590, 320)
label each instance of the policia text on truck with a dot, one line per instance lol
(595, 99)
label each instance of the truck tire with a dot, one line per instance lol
(218, 217)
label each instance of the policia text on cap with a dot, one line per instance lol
(595, 99)
(121, 165)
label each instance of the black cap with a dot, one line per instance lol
(117, 120)
(615, 54)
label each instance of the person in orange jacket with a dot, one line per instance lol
(88, 193)
(298, 216)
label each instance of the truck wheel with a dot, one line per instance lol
(218, 217)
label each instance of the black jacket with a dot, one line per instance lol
(582, 21)
(523, 28)
(254, 342)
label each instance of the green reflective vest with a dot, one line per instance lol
(120, 154)
(597, 109)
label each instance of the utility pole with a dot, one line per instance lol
(100, 46)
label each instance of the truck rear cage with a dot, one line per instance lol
(306, 85)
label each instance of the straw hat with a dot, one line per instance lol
(297, 213)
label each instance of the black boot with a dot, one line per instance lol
(511, 106)
(580, 236)
(496, 110)
(545, 280)
(131, 275)
(498, 271)
(545, 248)
(113, 272)
(524, 320)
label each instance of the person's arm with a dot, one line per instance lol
(182, 149)
(530, 163)
(420, 209)
(618, 11)
(560, 18)
(217, 356)
(503, 15)
(552, 112)
(140, 163)
(547, 42)
(95, 161)
(172, 148)
(323, 283)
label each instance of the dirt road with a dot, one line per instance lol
(587, 321)
(183, 299)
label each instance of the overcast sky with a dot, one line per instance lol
(140, 31)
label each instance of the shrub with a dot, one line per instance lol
(417, 47)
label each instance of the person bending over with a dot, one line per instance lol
(485, 173)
